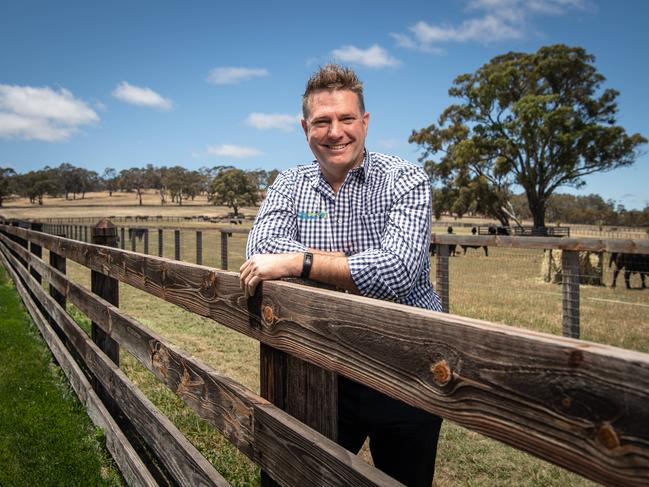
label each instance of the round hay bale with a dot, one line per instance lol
(591, 267)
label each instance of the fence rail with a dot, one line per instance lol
(577, 404)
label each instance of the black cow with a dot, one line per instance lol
(137, 232)
(432, 249)
(484, 247)
(630, 263)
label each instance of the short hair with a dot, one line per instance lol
(333, 77)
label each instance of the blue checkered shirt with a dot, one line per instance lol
(380, 219)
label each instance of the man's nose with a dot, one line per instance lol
(335, 129)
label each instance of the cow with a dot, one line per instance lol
(484, 247)
(432, 249)
(136, 232)
(630, 263)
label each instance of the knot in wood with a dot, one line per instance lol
(441, 372)
(607, 436)
(268, 314)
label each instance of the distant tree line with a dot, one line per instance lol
(590, 210)
(223, 185)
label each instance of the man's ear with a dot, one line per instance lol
(305, 128)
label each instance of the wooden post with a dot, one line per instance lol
(146, 241)
(570, 269)
(85, 233)
(105, 233)
(303, 390)
(132, 236)
(224, 250)
(177, 244)
(441, 275)
(58, 262)
(121, 238)
(160, 243)
(36, 250)
(199, 247)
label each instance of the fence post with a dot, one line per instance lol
(224, 250)
(199, 247)
(85, 233)
(304, 390)
(441, 275)
(177, 244)
(105, 233)
(36, 250)
(160, 242)
(146, 241)
(570, 280)
(121, 238)
(132, 237)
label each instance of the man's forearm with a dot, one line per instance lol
(332, 268)
(328, 267)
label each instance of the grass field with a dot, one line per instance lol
(46, 438)
(505, 287)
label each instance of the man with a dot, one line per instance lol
(360, 221)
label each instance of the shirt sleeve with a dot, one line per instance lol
(275, 228)
(391, 271)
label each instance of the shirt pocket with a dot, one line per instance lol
(373, 229)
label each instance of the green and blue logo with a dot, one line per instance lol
(313, 215)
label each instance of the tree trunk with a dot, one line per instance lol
(537, 208)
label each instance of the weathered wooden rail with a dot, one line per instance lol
(577, 404)
(569, 247)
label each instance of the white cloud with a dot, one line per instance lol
(236, 151)
(41, 113)
(281, 121)
(142, 96)
(372, 57)
(496, 20)
(233, 75)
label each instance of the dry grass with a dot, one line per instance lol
(505, 287)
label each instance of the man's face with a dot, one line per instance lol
(336, 129)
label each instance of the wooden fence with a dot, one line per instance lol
(569, 247)
(579, 405)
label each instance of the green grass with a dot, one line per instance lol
(46, 438)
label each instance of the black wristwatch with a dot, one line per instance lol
(306, 265)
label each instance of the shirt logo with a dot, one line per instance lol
(313, 215)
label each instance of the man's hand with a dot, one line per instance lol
(263, 267)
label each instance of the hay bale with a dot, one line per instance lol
(591, 267)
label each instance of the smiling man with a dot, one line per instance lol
(360, 221)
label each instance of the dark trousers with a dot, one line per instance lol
(403, 439)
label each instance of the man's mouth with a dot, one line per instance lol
(337, 146)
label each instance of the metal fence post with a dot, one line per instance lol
(177, 244)
(199, 247)
(441, 275)
(224, 250)
(570, 280)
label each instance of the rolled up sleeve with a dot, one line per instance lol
(275, 228)
(391, 271)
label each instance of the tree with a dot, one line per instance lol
(110, 180)
(233, 188)
(134, 179)
(538, 120)
(7, 178)
(35, 184)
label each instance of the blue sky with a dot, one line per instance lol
(197, 83)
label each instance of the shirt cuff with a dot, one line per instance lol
(365, 275)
